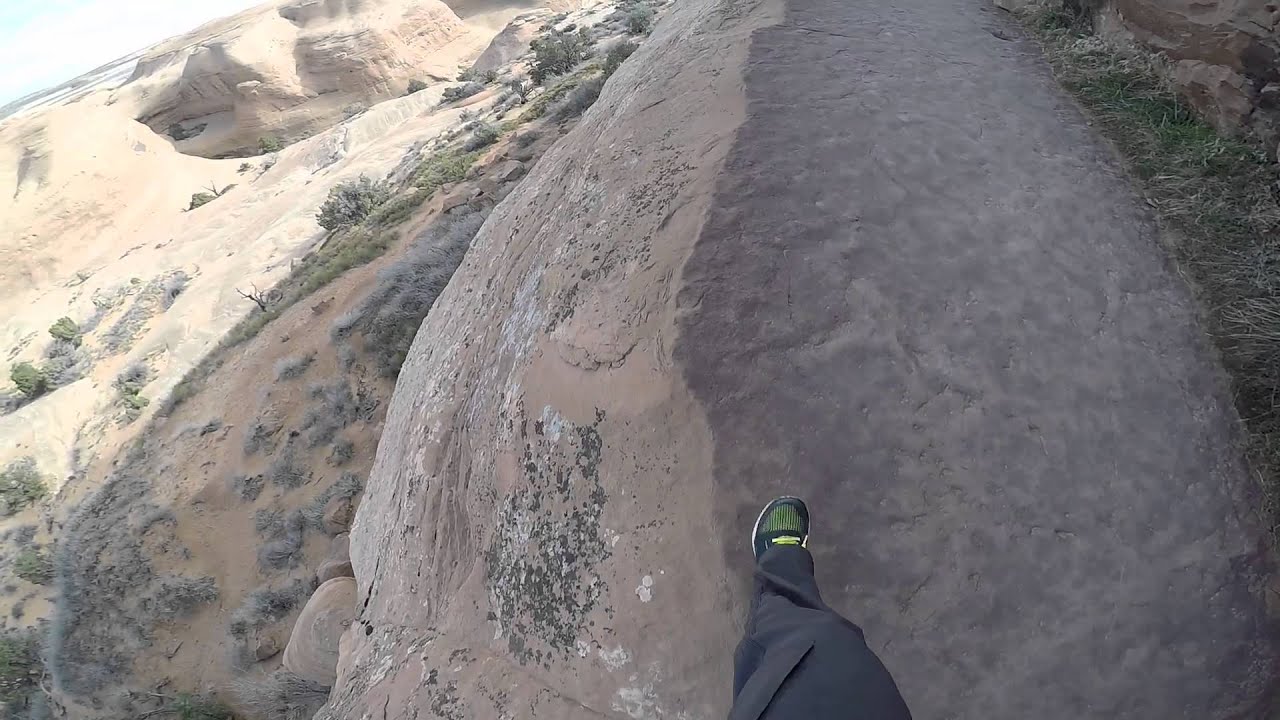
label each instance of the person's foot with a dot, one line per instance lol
(785, 521)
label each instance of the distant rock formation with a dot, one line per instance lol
(286, 70)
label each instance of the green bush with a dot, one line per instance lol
(640, 20)
(21, 485)
(557, 52)
(441, 168)
(65, 329)
(19, 657)
(350, 202)
(458, 92)
(617, 54)
(484, 77)
(29, 379)
(415, 85)
(269, 144)
(483, 136)
(33, 566)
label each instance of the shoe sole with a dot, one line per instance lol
(804, 542)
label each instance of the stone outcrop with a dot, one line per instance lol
(1225, 55)
(312, 652)
(513, 510)
(290, 69)
(512, 42)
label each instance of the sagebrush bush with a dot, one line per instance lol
(579, 99)
(279, 696)
(333, 407)
(269, 144)
(390, 315)
(557, 52)
(348, 486)
(287, 472)
(459, 92)
(248, 487)
(639, 19)
(294, 367)
(287, 533)
(443, 167)
(21, 485)
(483, 136)
(179, 596)
(416, 85)
(267, 605)
(481, 76)
(617, 55)
(351, 201)
(65, 362)
(342, 452)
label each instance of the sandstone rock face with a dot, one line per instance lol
(312, 652)
(513, 42)
(289, 69)
(338, 513)
(514, 511)
(1226, 53)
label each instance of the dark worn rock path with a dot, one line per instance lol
(928, 301)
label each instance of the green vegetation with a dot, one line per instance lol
(33, 566)
(67, 330)
(1216, 194)
(270, 144)
(557, 52)
(483, 136)
(201, 199)
(129, 384)
(30, 380)
(485, 77)
(443, 167)
(185, 706)
(415, 85)
(639, 19)
(21, 485)
(19, 659)
(617, 54)
(458, 92)
(351, 201)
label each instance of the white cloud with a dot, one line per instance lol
(71, 37)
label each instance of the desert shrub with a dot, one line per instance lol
(248, 487)
(617, 54)
(444, 167)
(520, 87)
(21, 485)
(333, 408)
(279, 696)
(459, 92)
(180, 133)
(353, 110)
(287, 472)
(29, 379)
(19, 658)
(269, 144)
(244, 167)
(267, 605)
(261, 435)
(294, 367)
(557, 52)
(397, 209)
(348, 486)
(484, 136)
(579, 99)
(350, 202)
(129, 384)
(185, 706)
(485, 77)
(65, 329)
(65, 362)
(33, 566)
(200, 199)
(639, 19)
(284, 550)
(149, 300)
(342, 452)
(390, 315)
(179, 596)
(415, 85)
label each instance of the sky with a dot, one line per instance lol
(46, 42)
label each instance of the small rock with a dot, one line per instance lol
(266, 648)
(509, 170)
(457, 198)
(338, 561)
(338, 514)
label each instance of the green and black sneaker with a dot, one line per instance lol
(785, 521)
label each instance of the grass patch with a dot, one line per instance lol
(443, 167)
(1217, 196)
(19, 657)
(33, 566)
(279, 696)
(267, 605)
